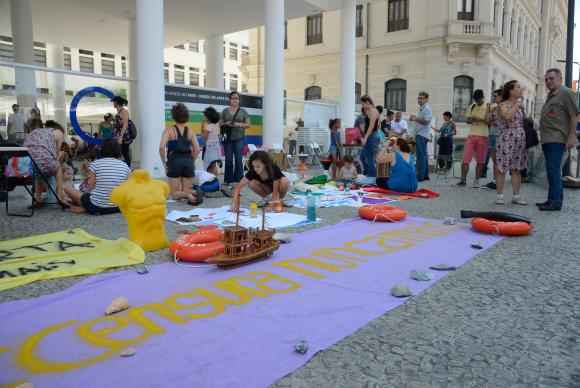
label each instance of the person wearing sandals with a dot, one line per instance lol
(511, 154)
(178, 150)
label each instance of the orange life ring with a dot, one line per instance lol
(199, 245)
(502, 228)
(382, 213)
(205, 234)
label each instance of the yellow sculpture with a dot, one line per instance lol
(142, 201)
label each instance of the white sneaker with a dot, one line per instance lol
(517, 200)
(476, 184)
(499, 200)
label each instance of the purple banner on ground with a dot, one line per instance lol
(206, 327)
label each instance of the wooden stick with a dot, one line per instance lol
(238, 212)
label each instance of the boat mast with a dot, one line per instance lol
(238, 211)
(264, 217)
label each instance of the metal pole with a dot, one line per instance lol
(570, 43)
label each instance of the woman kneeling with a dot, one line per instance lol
(264, 178)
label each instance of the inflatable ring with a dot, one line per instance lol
(199, 245)
(205, 234)
(382, 213)
(502, 228)
(73, 111)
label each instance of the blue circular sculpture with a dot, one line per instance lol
(73, 111)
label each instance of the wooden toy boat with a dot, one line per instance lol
(243, 245)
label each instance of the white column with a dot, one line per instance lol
(499, 17)
(542, 58)
(514, 31)
(347, 63)
(150, 92)
(507, 23)
(273, 129)
(132, 93)
(56, 60)
(519, 33)
(214, 61)
(21, 19)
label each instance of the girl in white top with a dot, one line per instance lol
(210, 130)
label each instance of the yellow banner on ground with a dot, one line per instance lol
(61, 254)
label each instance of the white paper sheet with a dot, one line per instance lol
(223, 217)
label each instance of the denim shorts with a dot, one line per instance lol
(492, 142)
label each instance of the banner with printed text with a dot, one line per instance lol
(61, 254)
(204, 327)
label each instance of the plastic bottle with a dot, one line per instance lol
(253, 210)
(310, 206)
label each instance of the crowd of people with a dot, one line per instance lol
(500, 131)
(103, 166)
(394, 159)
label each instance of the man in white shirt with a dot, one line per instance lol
(422, 135)
(16, 125)
(399, 126)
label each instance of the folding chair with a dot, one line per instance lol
(8, 183)
(316, 154)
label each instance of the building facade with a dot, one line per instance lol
(447, 48)
(184, 64)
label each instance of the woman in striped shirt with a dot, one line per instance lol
(105, 174)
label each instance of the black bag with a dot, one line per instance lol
(532, 138)
(131, 133)
(226, 130)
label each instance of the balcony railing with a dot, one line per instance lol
(470, 28)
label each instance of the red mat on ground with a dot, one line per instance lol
(421, 193)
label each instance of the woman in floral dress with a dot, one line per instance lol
(511, 143)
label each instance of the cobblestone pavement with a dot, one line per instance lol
(508, 318)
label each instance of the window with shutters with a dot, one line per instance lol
(6, 49)
(233, 51)
(359, 20)
(398, 15)
(314, 29)
(67, 57)
(179, 74)
(124, 67)
(396, 95)
(465, 10)
(107, 64)
(86, 61)
(233, 82)
(194, 76)
(462, 97)
(40, 54)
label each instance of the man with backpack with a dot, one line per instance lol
(476, 144)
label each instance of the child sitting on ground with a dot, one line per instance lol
(264, 177)
(348, 172)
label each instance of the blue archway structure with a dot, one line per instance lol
(73, 111)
